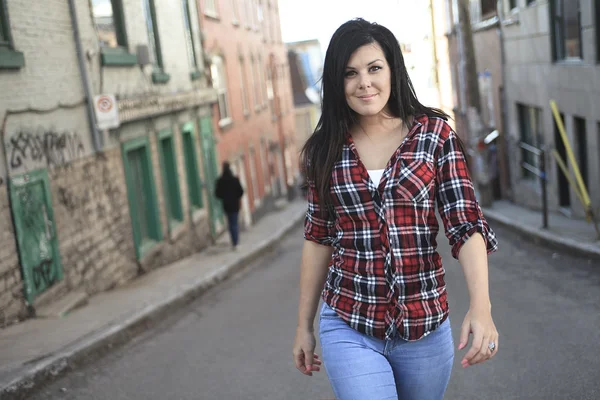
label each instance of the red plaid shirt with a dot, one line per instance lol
(385, 277)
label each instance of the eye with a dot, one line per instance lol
(375, 68)
(349, 74)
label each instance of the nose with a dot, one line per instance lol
(365, 81)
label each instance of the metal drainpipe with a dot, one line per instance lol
(85, 78)
(504, 138)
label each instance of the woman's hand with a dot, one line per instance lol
(304, 357)
(478, 322)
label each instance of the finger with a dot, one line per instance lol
(308, 361)
(299, 361)
(484, 352)
(475, 346)
(464, 335)
(497, 345)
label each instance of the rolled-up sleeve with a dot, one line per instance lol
(319, 225)
(457, 204)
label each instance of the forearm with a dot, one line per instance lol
(313, 272)
(473, 258)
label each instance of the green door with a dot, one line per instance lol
(36, 233)
(211, 171)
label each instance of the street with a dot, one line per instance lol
(235, 342)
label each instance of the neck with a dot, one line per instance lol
(378, 125)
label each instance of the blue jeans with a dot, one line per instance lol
(363, 367)
(234, 228)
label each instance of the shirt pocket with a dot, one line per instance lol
(415, 179)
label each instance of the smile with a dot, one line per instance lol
(367, 97)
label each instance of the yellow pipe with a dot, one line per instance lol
(584, 194)
(565, 171)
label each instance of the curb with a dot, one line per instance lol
(98, 343)
(545, 238)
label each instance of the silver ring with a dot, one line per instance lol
(492, 346)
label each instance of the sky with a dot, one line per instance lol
(318, 19)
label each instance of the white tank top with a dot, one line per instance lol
(376, 175)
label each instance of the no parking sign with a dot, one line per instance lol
(107, 115)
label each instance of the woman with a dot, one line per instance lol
(376, 165)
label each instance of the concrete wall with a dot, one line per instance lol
(533, 79)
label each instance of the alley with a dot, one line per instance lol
(235, 341)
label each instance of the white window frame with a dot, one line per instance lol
(244, 91)
(235, 8)
(210, 8)
(219, 81)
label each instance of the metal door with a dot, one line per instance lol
(211, 172)
(36, 233)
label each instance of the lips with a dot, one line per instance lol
(367, 96)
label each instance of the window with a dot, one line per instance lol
(530, 2)
(210, 8)
(488, 7)
(248, 12)
(244, 91)
(158, 76)
(530, 126)
(141, 195)
(255, 84)
(581, 148)
(512, 4)
(217, 73)
(9, 58)
(566, 19)
(170, 177)
(487, 99)
(191, 166)
(189, 35)
(263, 84)
(112, 37)
(236, 12)
(4, 38)
(109, 22)
(270, 94)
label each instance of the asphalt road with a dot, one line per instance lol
(235, 341)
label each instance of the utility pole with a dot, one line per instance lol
(475, 124)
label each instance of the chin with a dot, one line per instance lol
(368, 111)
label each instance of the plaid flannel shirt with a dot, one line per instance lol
(385, 276)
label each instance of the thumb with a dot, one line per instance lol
(464, 334)
(308, 359)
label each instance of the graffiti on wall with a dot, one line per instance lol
(51, 147)
(44, 275)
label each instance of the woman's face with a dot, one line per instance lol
(367, 80)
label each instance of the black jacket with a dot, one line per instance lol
(230, 191)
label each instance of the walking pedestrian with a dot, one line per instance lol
(229, 190)
(377, 165)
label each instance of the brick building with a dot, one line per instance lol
(93, 208)
(254, 116)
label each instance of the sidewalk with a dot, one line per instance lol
(573, 236)
(38, 350)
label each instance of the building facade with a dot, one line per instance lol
(487, 45)
(89, 201)
(306, 69)
(254, 116)
(552, 51)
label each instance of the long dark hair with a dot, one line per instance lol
(324, 146)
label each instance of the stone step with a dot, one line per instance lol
(63, 306)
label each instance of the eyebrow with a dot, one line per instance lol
(372, 62)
